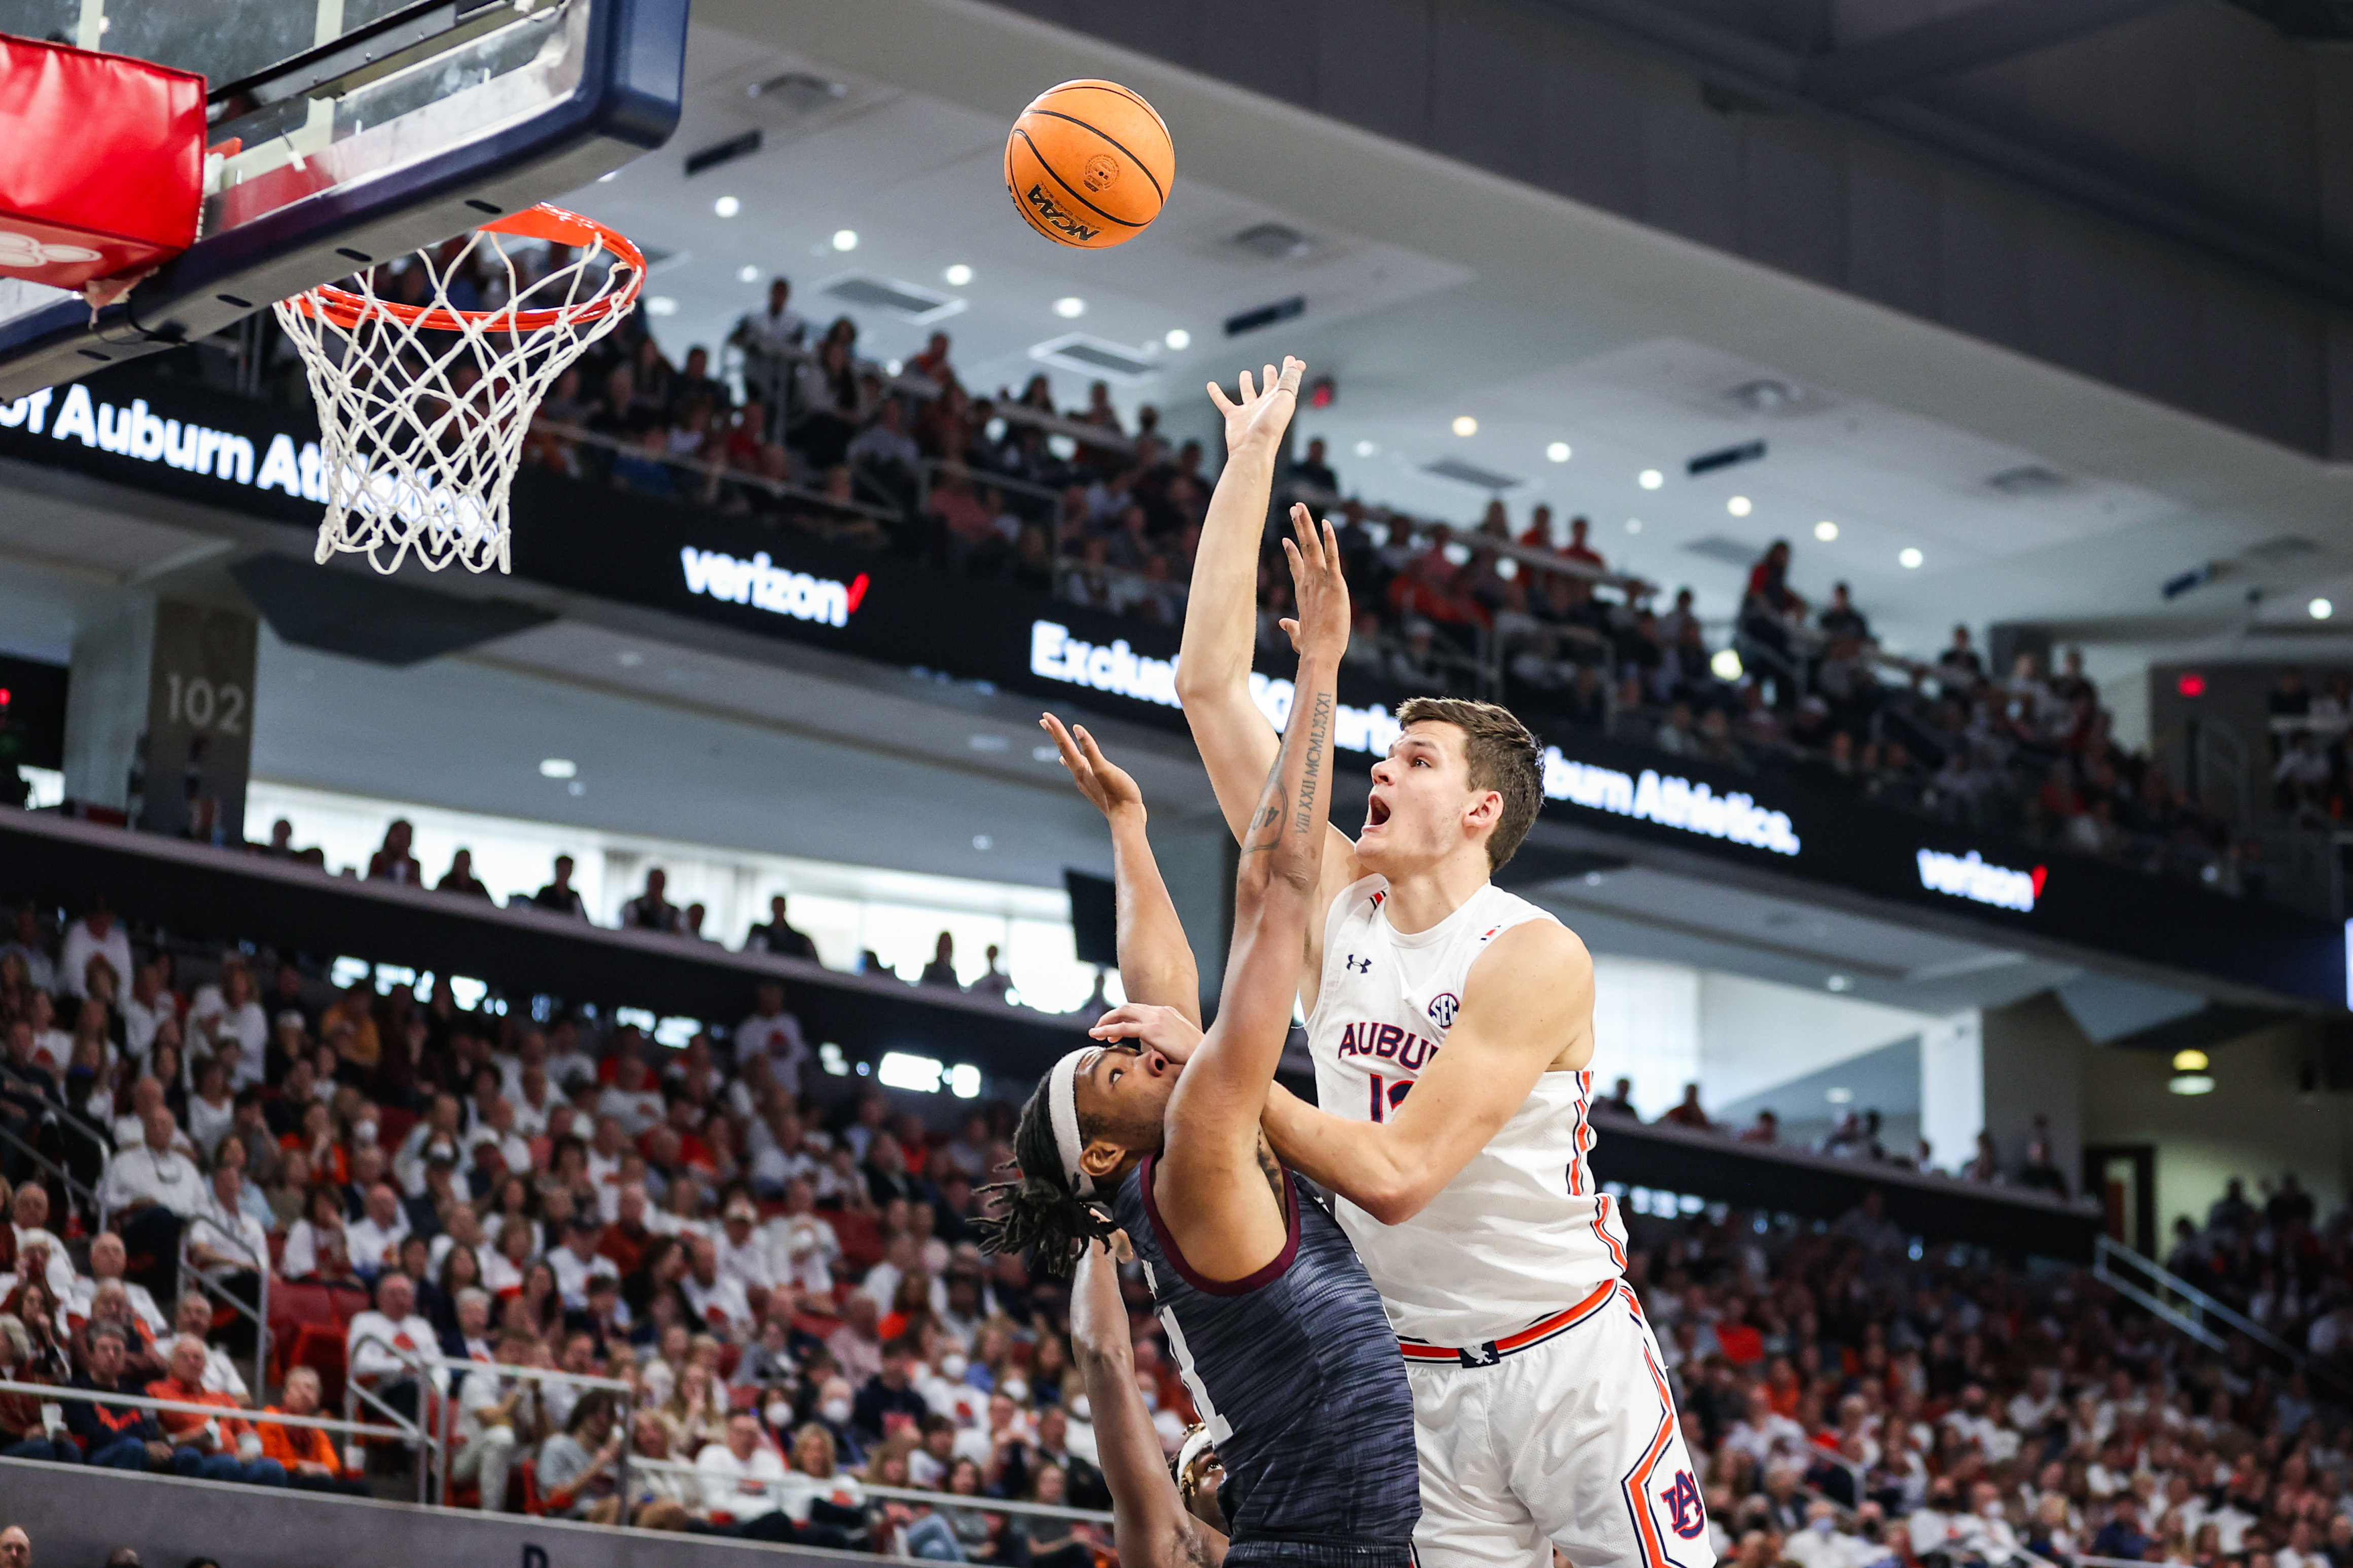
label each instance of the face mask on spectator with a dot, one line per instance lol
(779, 1413)
(1017, 1391)
(952, 1367)
(362, 1132)
(835, 1410)
(1824, 1526)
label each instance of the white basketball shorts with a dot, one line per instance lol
(1565, 1434)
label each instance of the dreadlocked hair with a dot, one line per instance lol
(1041, 1215)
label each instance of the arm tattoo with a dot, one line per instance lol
(1319, 730)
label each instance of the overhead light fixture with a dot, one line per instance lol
(2320, 609)
(1839, 1096)
(1633, 525)
(1839, 982)
(2191, 1073)
(845, 239)
(748, 274)
(1558, 452)
(957, 275)
(983, 842)
(2191, 1061)
(1826, 531)
(1178, 339)
(1726, 663)
(1465, 425)
(1070, 307)
(1367, 448)
(727, 206)
(1909, 559)
(662, 305)
(1650, 478)
(1739, 506)
(557, 768)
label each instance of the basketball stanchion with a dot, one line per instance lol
(424, 408)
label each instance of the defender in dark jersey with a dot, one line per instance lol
(1271, 1320)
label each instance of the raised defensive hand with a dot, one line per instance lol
(1318, 588)
(1101, 780)
(1266, 406)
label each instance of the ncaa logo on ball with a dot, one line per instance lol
(1442, 1008)
(1102, 172)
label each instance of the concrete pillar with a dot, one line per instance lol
(1197, 861)
(1952, 1088)
(159, 714)
(2034, 1054)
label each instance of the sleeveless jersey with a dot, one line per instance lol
(1521, 1232)
(1296, 1374)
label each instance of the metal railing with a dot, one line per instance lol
(2174, 1299)
(60, 1393)
(585, 1381)
(413, 1433)
(74, 1190)
(895, 1494)
(258, 1314)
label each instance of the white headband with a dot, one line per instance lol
(1062, 1109)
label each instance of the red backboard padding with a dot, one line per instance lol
(103, 171)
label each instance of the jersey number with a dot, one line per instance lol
(1388, 1097)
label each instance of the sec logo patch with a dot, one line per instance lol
(1442, 1008)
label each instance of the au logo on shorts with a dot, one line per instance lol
(1684, 1510)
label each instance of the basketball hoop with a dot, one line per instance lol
(423, 408)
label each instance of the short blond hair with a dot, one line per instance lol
(1501, 755)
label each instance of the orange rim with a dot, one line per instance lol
(551, 224)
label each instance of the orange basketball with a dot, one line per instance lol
(1088, 164)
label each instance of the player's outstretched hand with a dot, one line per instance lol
(1317, 587)
(1101, 780)
(1164, 1029)
(1264, 412)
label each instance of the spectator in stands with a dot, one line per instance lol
(743, 1481)
(559, 897)
(394, 862)
(460, 878)
(779, 936)
(28, 947)
(226, 1446)
(651, 911)
(16, 1547)
(575, 1465)
(941, 969)
(498, 1419)
(1686, 1112)
(380, 1345)
(119, 1436)
(95, 935)
(23, 1433)
(307, 1454)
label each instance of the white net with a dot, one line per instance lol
(424, 399)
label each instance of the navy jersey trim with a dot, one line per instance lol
(1244, 1286)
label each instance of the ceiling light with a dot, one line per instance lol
(662, 305)
(1738, 506)
(1557, 451)
(1593, 879)
(748, 274)
(2190, 1083)
(1839, 1096)
(2191, 1062)
(1178, 338)
(1633, 525)
(2320, 609)
(1909, 559)
(559, 768)
(608, 177)
(1044, 754)
(576, 787)
(1839, 982)
(957, 275)
(1826, 531)
(982, 841)
(1367, 448)
(1465, 425)
(1650, 478)
(630, 659)
(727, 206)
(1725, 664)
(1070, 307)
(845, 239)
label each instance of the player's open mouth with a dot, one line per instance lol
(1376, 811)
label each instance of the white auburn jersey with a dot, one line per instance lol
(1521, 1232)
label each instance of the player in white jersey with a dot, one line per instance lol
(1451, 1026)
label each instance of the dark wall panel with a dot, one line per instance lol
(1372, 62)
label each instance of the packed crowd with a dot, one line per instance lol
(802, 432)
(814, 1351)
(787, 1289)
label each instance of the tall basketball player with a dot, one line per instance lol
(1271, 1317)
(1452, 1027)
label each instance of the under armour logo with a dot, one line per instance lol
(1480, 1356)
(1356, 965)
(1684, 1510)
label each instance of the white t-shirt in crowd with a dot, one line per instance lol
(74, 956)
(742, 1489)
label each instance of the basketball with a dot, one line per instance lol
(1088, 164)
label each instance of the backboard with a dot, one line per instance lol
(344, 132)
